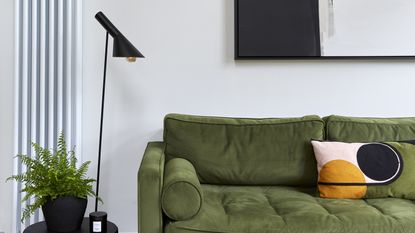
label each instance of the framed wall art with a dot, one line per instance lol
(324, 29)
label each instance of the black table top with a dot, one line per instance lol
(40, 227)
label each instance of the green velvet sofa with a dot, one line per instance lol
(233, 175)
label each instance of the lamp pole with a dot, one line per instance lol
(102, 120)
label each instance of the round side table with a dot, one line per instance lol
(40, 227)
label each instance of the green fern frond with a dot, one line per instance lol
(73, 157)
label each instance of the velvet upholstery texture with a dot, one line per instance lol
(150, 184)
(278, 209)
(260, 176)
(365, 129)
(246, 151)
(182, 195)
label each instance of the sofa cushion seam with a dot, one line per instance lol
(370, 123)
(241, 125)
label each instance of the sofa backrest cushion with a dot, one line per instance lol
(360, 129)
(239, 151)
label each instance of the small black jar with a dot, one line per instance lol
(98, 222)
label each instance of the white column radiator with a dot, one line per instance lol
(48, 74)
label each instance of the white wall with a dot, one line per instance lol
(6, 112)
(190, 69)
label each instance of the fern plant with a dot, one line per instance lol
(51, 175)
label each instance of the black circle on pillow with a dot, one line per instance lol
(378, 161)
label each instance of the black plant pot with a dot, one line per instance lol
(64, 214)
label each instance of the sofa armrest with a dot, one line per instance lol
(150, 184)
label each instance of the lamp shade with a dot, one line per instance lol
(122, 47)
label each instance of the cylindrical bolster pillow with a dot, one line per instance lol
(182, 194)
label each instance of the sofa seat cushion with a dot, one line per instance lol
(247, 209)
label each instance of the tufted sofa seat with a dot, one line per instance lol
(271, 209)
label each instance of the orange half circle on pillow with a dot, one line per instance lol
(341, 171)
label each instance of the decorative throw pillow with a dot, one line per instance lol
(365, 170)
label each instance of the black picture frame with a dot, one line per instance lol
(238, 56)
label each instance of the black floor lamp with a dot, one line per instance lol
(121, 48)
